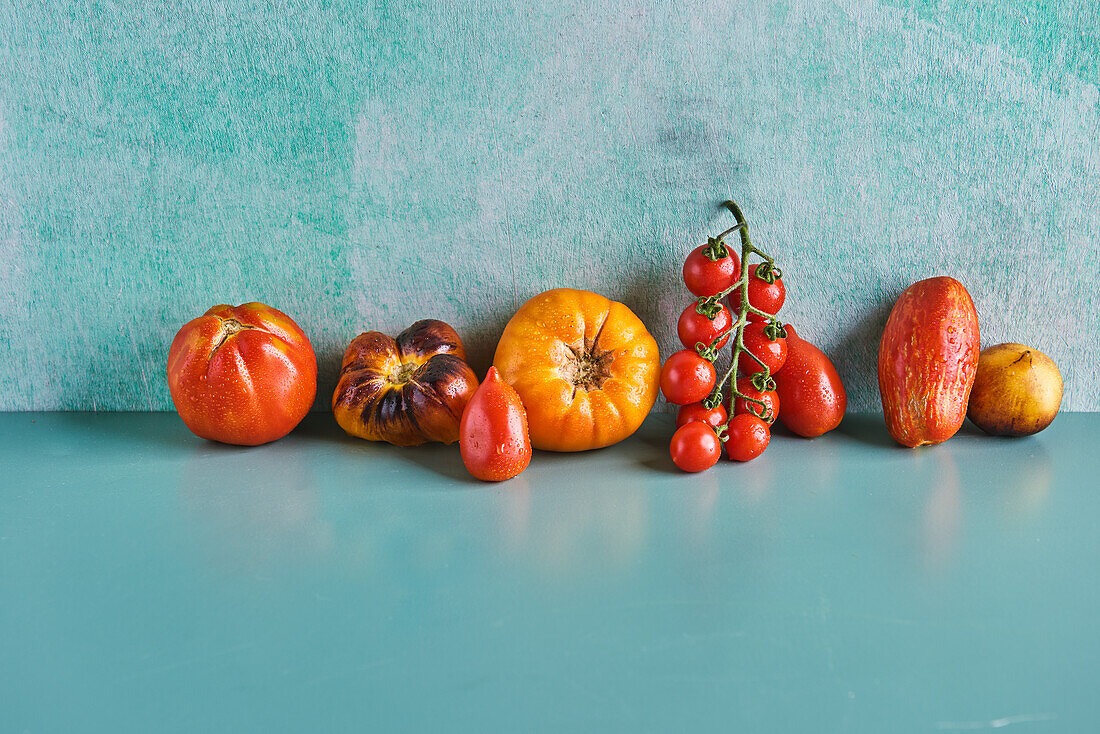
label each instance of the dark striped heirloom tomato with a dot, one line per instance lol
(405, 391)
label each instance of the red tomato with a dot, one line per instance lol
(813, 395)
(706, 277)
(765, 296)
(769, 398)
(694, 327)
(747, 437)
(687, 377)
(695, 447)
(242, 374)
(715, 416)
(493, 434)
(772, 352)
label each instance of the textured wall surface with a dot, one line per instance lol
(365, 166)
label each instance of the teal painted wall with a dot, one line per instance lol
(364, 166)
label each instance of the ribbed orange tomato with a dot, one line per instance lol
(584, 366)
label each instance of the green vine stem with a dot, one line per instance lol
(709, 305)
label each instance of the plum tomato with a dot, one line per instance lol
(771, 352)
(715, 416)
(693, 327)
(706, 277)
(813, 396)
(763, 295)
(770, 398)
(493, 436)
(746, 437)
(695, 447)
(687, 378)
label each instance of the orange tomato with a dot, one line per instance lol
(584, 366)
(493, 435)
(242, 374)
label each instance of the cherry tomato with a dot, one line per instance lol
(772, 353)
(705, 277)
(492, 435)
(814, 400)
(687, 377)
(769, 398)
(765, 296)
(747, 437)
(694, 327)
(715, 416)
(695, 447)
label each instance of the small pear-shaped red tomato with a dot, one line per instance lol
(493, 434)
(809, 389)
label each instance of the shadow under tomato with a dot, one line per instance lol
(441, 459)
(868, 428)
(160, 430)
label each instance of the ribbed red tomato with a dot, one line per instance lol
(242, 374)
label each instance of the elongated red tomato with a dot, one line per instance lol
(809, 389)
(493, 434)
(927, 361)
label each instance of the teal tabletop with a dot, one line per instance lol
(154, 582)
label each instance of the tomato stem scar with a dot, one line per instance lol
(228, 328)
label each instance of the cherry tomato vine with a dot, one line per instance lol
(753, 346)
